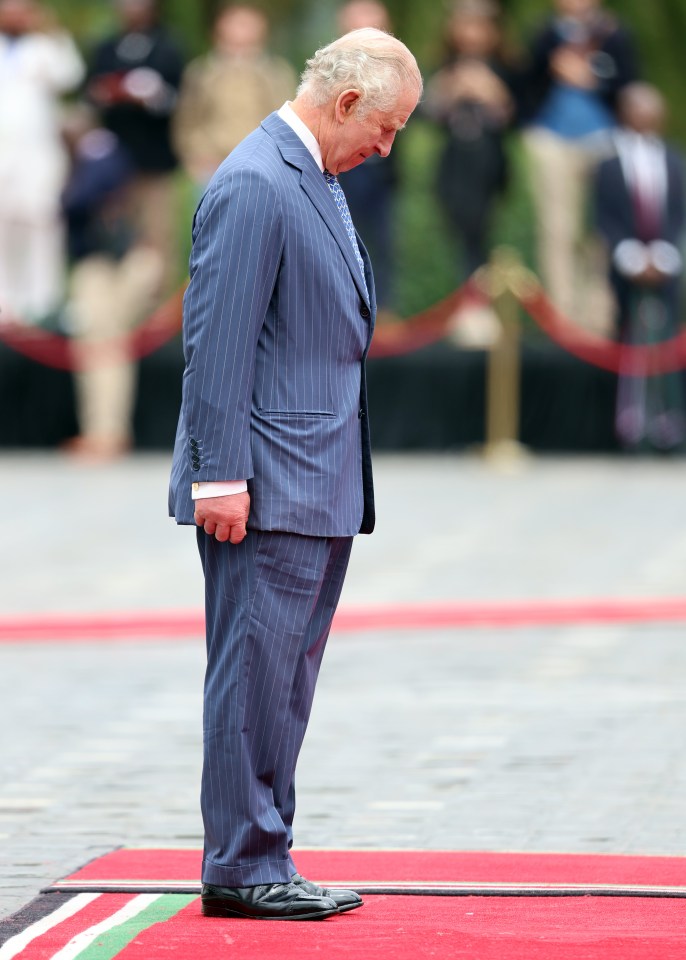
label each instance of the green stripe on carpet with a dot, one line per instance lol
(434, 928)
(113, 941)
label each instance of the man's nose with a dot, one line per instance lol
(384, 145)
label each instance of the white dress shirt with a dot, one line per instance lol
(644, 164)
(223, 488)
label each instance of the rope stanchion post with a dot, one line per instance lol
(503, 378)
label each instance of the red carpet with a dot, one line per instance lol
(385, 928)
(410, 929)
(405, 871)
(526, 907)
(170, 624)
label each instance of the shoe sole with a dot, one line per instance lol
(350, 906)
(209, 910)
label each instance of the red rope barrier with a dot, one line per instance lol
(650, 360)
(58, 351)
(391, 339)
(430, 326)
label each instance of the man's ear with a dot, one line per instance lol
(346, 104)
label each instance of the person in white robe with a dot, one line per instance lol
(39, 62)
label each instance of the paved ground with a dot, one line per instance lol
(565, 739)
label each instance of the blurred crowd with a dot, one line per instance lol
(92, 142)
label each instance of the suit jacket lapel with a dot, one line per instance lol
(294, 152)
(317, 189)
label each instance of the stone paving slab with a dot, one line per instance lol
(566, 738)
(448, 528)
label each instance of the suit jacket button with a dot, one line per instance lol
(364, 311)
(360, 414)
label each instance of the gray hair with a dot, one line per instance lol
(368, 60)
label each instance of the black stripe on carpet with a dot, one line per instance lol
(39, 908)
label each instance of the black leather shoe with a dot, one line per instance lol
(344, 899)
(268, 901)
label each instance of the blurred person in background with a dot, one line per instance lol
(471, 98)
(580, 59)
(640, 210)
(371, 188)
(133, 81)
(226, 93)
(115, 278)
(38, 63)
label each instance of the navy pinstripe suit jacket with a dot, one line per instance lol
(276, 331)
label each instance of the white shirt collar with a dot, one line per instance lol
(289, 116)
(643, 160)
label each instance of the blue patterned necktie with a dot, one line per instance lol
(342, 204)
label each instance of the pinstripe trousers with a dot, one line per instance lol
(269, 603)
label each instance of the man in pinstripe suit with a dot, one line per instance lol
(272, 456)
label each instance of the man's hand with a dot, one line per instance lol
(651, 277)
(573, 67)
(224, 517)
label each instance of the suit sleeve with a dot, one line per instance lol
(676, 211)
(237, 249)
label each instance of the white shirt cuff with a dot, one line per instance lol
(218, 488)
(665, 257)
(631, 258)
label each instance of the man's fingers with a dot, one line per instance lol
(222, 531)
(224, 518)
(238, 533)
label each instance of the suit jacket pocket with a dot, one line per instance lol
(295, 414)
(291, 447)
(305, 471)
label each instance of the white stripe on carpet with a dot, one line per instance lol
(15, 945)
(86, 937)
